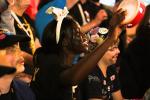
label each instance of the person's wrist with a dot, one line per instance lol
(114, 33)
(112, 37)
(96, 22)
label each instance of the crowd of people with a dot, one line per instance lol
(49, 46)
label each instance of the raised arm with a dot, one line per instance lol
(99, 18)
(79, 71)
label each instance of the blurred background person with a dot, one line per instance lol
(23, 25)
(11, 57)
(134, 70)
(89, 14)
(56, 73)
(102, 83)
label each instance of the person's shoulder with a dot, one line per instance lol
(19, 83)
(23, 90)
(112, 70)
(112, 67)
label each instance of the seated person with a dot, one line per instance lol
(11, 56)
(102, 83)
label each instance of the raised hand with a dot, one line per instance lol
(115, 23)
(101, 16)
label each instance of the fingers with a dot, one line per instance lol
(102, 15)
(121, 11)
(116, 6)
(118, 17)
(121, 15)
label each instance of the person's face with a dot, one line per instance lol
(110, 57)
(94, 38)
(80, 41)
(21, 6)
(12, 57)
(130, 34)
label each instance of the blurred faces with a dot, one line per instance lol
(131, 33)
(94, 37)
(110, 57)
(20, 6)
(80, 41)
(12, 56)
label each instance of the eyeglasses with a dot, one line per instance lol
(113, 48)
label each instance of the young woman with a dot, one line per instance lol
(56, 73)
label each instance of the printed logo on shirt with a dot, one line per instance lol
(93, 78)
(112, 77)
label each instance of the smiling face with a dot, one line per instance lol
(94, 38)
(110, 57)
(76, 41)
(79, 41)
(12, 56)
(71, 38)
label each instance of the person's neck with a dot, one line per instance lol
(103, 66)
(5, 83)
(17, 12)
(69, 56)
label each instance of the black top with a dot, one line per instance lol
(75, 13)
(47, 84)
(98, 86)
(92, 9)
(43, 2)
(25, 46)
(89, 7)
(134, 67)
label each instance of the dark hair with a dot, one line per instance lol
(94, 0)
(68, 28)
(43, 2)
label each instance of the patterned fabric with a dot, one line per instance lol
(98, 86)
